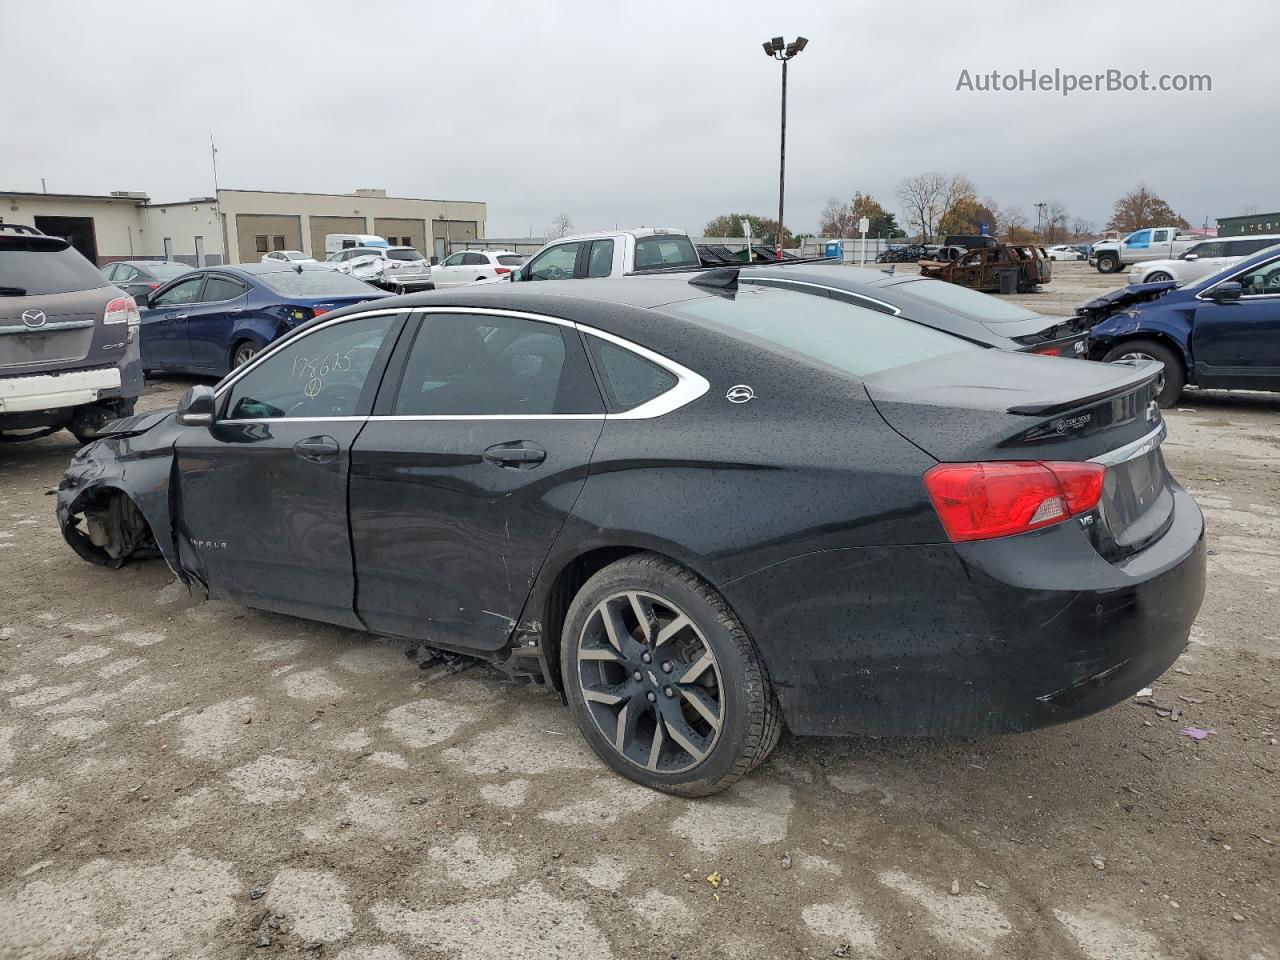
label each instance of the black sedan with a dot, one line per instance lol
(966, 313)
(698, 509)
(138, 278)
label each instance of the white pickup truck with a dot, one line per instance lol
(610, 254)
(1150, 243)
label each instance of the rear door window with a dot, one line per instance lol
(473, 365)
(600, 263)
(218, 288)
(44, 265)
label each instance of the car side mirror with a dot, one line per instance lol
(197, 407)
(1192, 256)
(1231, 290)
(514, 275)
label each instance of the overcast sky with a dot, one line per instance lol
(646, 113)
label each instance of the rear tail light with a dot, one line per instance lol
(153, 286)
(980, 501)
(316, 311)
(1048, 351)
(122, 310)
(501, 270)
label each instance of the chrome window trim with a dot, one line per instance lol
(822, 286)
(689, 385)
(1131, 451)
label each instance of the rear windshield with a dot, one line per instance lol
(971, 303)
(32, 266)
(314, 283)
(167, 271)
(403, 255)
(852, 339)
(665, 250)
(510, 259)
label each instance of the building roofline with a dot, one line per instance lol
(345, 196)
(36, 195)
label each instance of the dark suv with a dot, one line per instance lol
(68, 340)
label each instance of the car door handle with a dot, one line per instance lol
(322, 449)
(515, 455)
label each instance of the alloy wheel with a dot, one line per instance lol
(244, 353)
(651, 682)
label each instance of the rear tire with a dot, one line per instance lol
(1108, 263)
(681, 702)
(87, 420)
(1174, 378)
(242, 353)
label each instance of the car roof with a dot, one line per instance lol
(630, 232)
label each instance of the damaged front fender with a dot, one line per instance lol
(115, 499)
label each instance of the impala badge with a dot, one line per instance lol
(740, 394)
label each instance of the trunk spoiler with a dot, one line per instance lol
(1137, 375)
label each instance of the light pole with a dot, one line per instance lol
(779, 49)
(1039, 213)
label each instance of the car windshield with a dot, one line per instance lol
(314, 283)
(404, 254)
(510, 259)
(33, 266)
(980, 306)
(665, 250)
(167, 271)
(851, 339)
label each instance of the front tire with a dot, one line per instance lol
(1174, 378)
(1108, 263)
(663, 681)
(1157, 276)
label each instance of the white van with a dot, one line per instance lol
(335, 242)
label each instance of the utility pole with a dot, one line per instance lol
(1039, 214)
(779, 49)
(217, 208)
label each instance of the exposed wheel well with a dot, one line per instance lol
(114, 531)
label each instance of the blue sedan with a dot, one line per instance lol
(1221, 332)
(211, 320)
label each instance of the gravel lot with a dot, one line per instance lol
(187, 778)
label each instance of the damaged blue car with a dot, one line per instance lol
(1221, 332)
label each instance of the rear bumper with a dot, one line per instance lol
(999, 636)
(52, 391)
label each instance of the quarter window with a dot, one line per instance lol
(321, 374)
(478, 365)
(628, 378)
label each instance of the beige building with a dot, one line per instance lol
(238, 226)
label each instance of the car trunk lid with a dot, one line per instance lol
(1005, 406)
(49, 330)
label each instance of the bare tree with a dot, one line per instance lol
(837, 220)
(922, 198)
(958, 194)
(1081, 228)
(1054, 222)
(561, 226)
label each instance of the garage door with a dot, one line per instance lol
(321, 226)
(258, 233)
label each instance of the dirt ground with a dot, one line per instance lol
(185, 778)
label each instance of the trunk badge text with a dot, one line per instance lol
(740, 394)
(34, 319)
(1153, 412)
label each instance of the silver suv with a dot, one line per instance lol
(68, 340)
